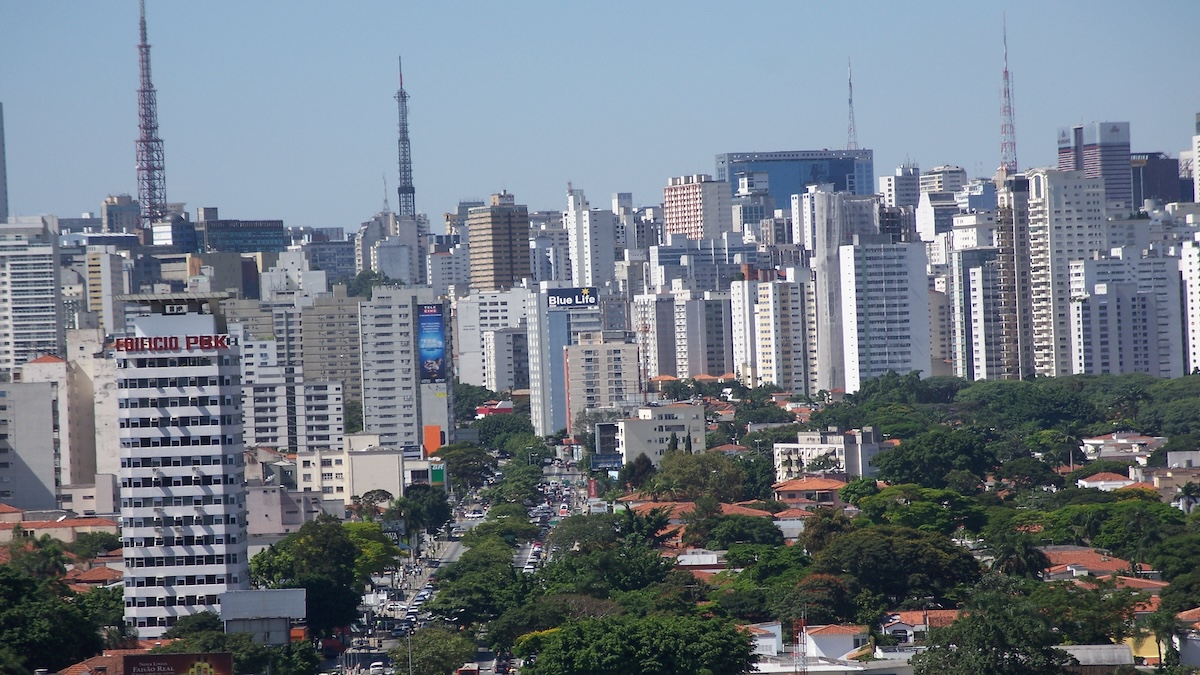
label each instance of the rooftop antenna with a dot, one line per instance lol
(851, 133)
(386, 207)
(151, 178)
(1008, 127)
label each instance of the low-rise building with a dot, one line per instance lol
(850, 452)
(650, 433)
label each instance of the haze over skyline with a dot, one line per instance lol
(285, 110)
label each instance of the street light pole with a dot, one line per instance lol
(410, 663)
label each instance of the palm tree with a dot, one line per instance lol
(1015, 554)
(1188, 495)
(1163, 626)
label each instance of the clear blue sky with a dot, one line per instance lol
(274, 109)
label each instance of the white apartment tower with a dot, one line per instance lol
(183, 503)
(783, 323)
(1066, 222)
(885, 309)
(592, 244)
(406, 368)
(1189, 267)
(601, 374)
(743, 297)
(902, 189)
(476, 315)
(30, 308)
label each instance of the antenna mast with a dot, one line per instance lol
(851, 133)
(404, 190)
(151, 178)
(1008, 128)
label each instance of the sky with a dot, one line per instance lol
(279, 109)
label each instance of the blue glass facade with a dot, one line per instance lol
(790, 171)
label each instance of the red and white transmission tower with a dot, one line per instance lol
(151, 176)
(1008, 128)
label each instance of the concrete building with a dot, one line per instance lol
(885, 309)
(556, 319)
(291, 278)
(239, 236)
(697, 207)
(1066, 222)
(476, 315)
(1114, 331)
(752, 202)
(1013, 280)
(651, 431)
(903, 188)
(591, 242)
(450, 268)
(743, 333)
(30, 303)
(784, 331)
(1100, 150)
(362, 465)
(831, 220)
(601, 374)
(183, 505)
(329, 342)
(1154, 176)
(107, 277)
(499, 242)
(406, 349)
(3, 172)
(29, 444)
(703, 338)
(850, 452)
(935, 214)
(506, 359)
(945, 178)
(654, 331)
(550, 253)
(1189, 268)
(704, 265)
(335, 258)
(791, 171)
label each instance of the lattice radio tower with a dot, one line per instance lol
(1008, 128)
(851, 133)
(405, 190)
(151, 176)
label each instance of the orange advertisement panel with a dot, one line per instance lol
(432, 438)
(179, 664)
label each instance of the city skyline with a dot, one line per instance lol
(268, 113)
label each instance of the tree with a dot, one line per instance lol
(1092, 611)
(40, 626)
(758, 471)
(353, 414)
(435, 651)
(927, 459)
(900, 563)
(364, 283)
(636, 473)
(432, 504)
(1028, 472)
(1015, 553)
(822, 598)
(822, 527)
(376, 552)
(863, 486)
(105, 608)
(921, 508)
(494, 428)
(1000, 633)
(199, 622)
(586, 532)
(248, 656)
(468, 465)
(689, 477)
(468, 397)
(40, 557)
(88, 545)
(624, 645)
(738, 529)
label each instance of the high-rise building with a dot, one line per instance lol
(1066, 222)
(29, 449)
(944, 178)
(107, 277)
(183, 500)
(790, 172)
(557, 317)
(601, 374)
(654, 330)
(704, 264)
(752, 202)
(474, 316)
(935, 214)
(499, 243)
(592, 241)
(697, 207)
(743, 296)
(120, 213)
(703, 339)
(1114, 330)
(240, 236)
(1014, 279)
(902, 189)
(1154, 176)
(885, 309)
(30, 293)
(330, 342)
(1100, 150)
(406, 369)
(1196, 161)
(784, 333)
(1189, 268)
(506, 359)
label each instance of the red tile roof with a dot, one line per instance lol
(1090, 559)
(5, 508)
(931, 618)
(793, 513)
(95, 575)
(48, 358)
(808, 483)
(112, 659)
(676, 510)
(67, 522)
(1103, 476)
(837, 629)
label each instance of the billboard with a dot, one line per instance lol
(572, 298)
(179, 664)
(431, 343)
(607, 462)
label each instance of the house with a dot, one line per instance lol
(914, 626)
(1122, 446)
(83, 580)
(1069, 562)
(1098, 659)
(110, 661)
(835, 641)
(493, 408)
(64, 529)
(821, 491)
(768, 637)
(1105, 481)
(791, 522)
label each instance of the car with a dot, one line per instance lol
(377, 668)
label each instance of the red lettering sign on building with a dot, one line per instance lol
(172, 343)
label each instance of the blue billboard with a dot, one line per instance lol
(431, 343)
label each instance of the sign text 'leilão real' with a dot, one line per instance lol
(572, 297)
(172, 343)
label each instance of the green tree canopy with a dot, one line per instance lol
(921, 508)
(494, 429)
(623, 645)
(376, 552)
(687, 477)
(435, 651)
(468, 465)
(41, 627)
(927, 458)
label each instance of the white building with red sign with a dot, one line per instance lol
(183, 504)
